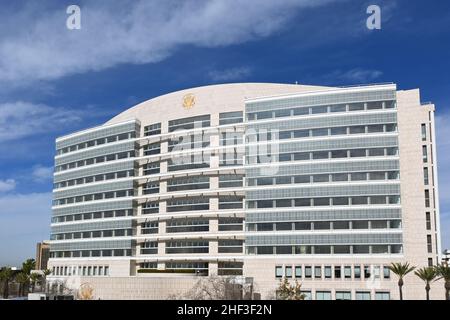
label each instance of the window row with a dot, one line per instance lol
(321, 155)
(96, 142)
(336, 177)
(322, 132)
(80, 271)
(96, 178)
(231, 117)
(188, 162)
(325, 249)
(288, 112)
(231, 180)
(325, 225)
(187, 142)
(96, 160)
(188, 183)
(325, 201)
(92, 234)
(190, 123)
(94, 197)
(336, 272)
(93, 215)
(152, 130)
(91, 253)
(347, 295)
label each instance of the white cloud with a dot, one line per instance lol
(21, 119)
(356, 75)
(7, 185)
(131, 31)
(229, 74)
(41, 173)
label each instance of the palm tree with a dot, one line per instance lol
(28, 266)
(427, 275)
(401, 270)
(34, 277)
(443, 272)
(5, 276)
(47, 272)
(23, 279)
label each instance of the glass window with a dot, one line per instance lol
(361, 249)
(347, 272)
(355, 153)
(343, 295)
(321, 201)
(321, 225)
(386, 272)
(320, 155)
(301, 133)
(357, 272)
(308, 272)
(424, 154)
(341, 201)
(301, 111)
(341, 249)
(362, 295)
(424, 131)
(375, 128)
(337, 225)
(360, 224)
(337, 272)
(327, 272)
(338, 108)
(298, 271)
(425, 176)
(323, 295)
(339, 154)
(288, 272)
(319, 132)
(302, 179)
(382, 296)
(376, 152)
(319, 109)
(302, 156)
(317, 272)
(340, 177)
(374, 105)
(321, 178)
(337, 131)
(357, 129)
(356, 106)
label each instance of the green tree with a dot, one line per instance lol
(47, 272)
(427, 275)
(443, 272)
(6, 275)
(401, 270)
(34, 278)
(286, 291)
(23, 279)
(28, 266)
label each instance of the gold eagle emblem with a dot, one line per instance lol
(188, 101)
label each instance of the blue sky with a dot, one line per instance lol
(54, 81)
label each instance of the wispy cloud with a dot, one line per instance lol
(229, 74)
(356, 75)
(21, 119)
(41, 173)
(130, 31)
(7, 185)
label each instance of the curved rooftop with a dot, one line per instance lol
(208, 99)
